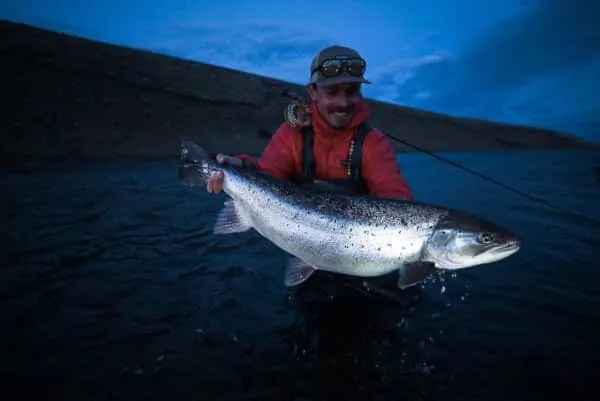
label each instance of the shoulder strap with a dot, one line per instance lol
(308, 159)
(356, 156)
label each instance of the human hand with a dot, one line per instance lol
(214, 184)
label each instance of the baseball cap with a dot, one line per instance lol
(340, 55)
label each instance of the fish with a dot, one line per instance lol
(355, 235)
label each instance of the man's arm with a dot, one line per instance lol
(380, 168)
(277, 158)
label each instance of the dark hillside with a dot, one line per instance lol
(67, 97)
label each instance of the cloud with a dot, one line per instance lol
(566, 100)
(539, 67)
(514, 65)
(389, 79)
(266, 48)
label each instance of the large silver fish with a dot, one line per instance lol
(361, 236)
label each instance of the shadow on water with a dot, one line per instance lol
(348, 342)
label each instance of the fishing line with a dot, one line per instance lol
(297, 97)
(493, 181)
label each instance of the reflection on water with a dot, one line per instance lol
(112, 286)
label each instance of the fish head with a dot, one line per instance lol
(460, 241)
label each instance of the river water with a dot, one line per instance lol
(112, 286)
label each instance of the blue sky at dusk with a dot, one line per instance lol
(533, 62)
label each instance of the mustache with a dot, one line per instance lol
(344, 110)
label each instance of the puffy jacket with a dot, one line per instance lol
(282, 157)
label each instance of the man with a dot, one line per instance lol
(335, 148)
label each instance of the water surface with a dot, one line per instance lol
(112, 286)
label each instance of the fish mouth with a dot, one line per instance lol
(510, 247)
(500, 252)
(489, 255)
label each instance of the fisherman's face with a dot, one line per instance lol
(337, 103)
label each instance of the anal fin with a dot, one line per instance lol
(415, 273)
(297, 272)
(230, 221)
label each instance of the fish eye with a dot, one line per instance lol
(485, 238)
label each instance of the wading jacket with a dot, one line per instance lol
(381, 176)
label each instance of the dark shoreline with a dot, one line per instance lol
(74, 99)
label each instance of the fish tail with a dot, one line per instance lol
(195, 164)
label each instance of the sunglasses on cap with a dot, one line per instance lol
(329, 68)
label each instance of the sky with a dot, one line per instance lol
(530, 62)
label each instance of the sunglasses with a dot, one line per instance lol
(334, 67)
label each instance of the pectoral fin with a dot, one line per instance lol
(415, 273)
(230, 221)
(297, 272)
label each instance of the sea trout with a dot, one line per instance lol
(356, 235)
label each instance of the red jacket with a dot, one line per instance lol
(282, 157)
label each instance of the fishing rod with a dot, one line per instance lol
(299, 98)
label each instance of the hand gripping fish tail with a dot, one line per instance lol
(360, 236)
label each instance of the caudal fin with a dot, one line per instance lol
(193, 169)
(192, 152)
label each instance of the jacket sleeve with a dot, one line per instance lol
(277, 158)
(381, 171)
